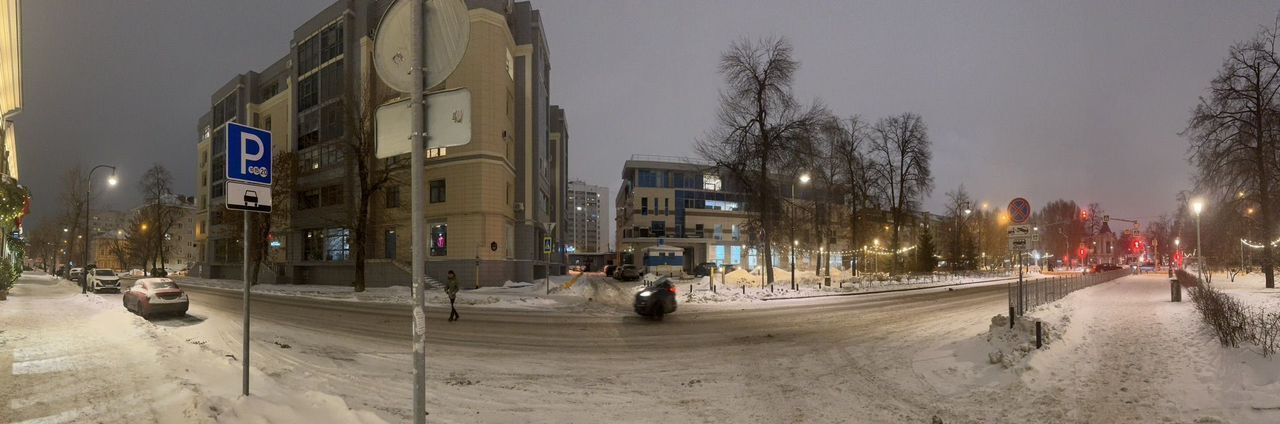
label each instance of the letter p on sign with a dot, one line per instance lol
(248, 154)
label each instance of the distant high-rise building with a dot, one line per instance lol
(588, 215)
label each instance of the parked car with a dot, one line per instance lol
(151, 296)
(1147, 267)
(705, 269)
(137, 272)
(1099, 268)
(657, 300)
(627, 273)
(75, 274)
(103, 279)
(609, 270)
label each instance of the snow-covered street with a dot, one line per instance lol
(1117, 352)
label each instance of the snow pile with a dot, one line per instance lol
(732, 288)
(1009, 346)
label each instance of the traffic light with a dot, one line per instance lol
(1084, 215)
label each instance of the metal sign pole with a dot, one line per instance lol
(245, 263)
(417, 162)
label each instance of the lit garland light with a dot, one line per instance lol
(1258, 246)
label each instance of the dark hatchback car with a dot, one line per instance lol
(657, 300)
(1100, 268)
(705, 269)
(627, 273)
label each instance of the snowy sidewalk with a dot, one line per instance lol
(69, 358)
(1118, 352)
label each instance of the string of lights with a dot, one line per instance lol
(1256, 245)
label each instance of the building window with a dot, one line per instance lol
(266, 123)
(393, 197)
(647, 179)
(323, 157)
(711, 182)
(217, 190)
(326, 244)
(330, 43)
(330, 195)
(719, 232)
(644, 205)
(439, 236)
(437, 191)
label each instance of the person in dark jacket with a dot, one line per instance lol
(452, 290)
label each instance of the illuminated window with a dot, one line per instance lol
(439, 236)
(711, 182)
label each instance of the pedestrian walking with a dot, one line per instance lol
(452, 290)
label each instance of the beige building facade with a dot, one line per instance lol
(490, 202)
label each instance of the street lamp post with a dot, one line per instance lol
(1197, 206)
(794, 244)
(804, 179)
(88, 191)
(877, 259)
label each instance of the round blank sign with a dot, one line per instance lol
(448, 29)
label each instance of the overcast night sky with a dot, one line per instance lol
(1076, 100)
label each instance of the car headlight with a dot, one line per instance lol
(645, 293)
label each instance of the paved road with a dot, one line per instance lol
(783, 361)
(536, 330)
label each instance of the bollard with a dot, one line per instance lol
(1039, 336)
(1175, 292)
(690, 288)
(1010, 317)
(744, 290)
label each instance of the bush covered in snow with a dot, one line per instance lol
(1233, 322)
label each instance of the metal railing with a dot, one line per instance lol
(1028, 294)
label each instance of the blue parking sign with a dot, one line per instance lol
(248, 154)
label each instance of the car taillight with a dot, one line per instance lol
(673, 290)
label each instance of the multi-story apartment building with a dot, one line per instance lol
(685, 203)
(588, 212)
(107, 221)
(490, 202)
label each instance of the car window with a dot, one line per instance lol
(162, 285)
(104, 272)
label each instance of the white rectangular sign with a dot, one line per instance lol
(248, 197)
(1018, 245)
(448, 123)
(1019, 230)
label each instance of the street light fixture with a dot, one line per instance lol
(88, 192)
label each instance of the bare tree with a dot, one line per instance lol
(759, 118)
(856, 174)
(72, 202)
(903, 151)
(159, 213)
(283, 187)
(370, 174)
(959, 242)
(1233, 133)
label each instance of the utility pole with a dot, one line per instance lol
(417, 163)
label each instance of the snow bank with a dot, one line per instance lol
(729, 288)
(1122, 348)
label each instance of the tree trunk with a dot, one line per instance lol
(359, 236)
